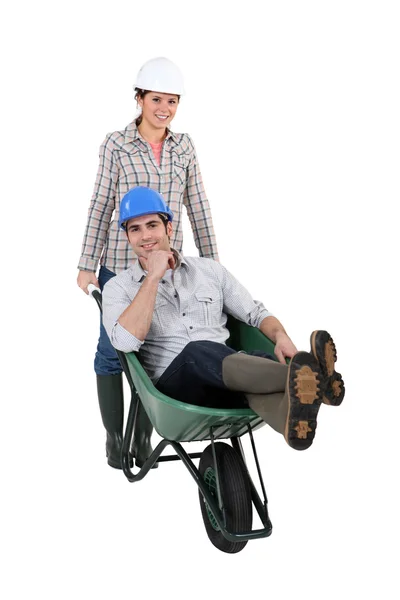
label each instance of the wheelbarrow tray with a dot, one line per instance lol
(184, 422)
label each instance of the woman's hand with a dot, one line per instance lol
(86, 277)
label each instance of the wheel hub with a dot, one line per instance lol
(211, 483)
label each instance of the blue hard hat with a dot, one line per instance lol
(141, 201)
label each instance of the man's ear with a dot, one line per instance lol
(169, 229)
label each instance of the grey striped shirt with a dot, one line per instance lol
(191, 305)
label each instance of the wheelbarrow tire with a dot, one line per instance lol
(235, 494)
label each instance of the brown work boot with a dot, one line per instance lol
(324, 350)
(304, 396)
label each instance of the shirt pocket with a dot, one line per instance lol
(209, 306)
(179, 171)
(161, 318)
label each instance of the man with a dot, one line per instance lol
(173, 310)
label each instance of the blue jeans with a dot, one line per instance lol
(106, 360)
(195, 376)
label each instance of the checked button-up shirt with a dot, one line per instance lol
(126, 161)
(192, 303)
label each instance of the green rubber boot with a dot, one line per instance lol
(141, 445)
(111, 401)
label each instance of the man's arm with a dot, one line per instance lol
(115, 300)
(239, 303)
(274, 330)
(137, 317)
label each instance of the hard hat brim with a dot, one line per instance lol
(153, 212)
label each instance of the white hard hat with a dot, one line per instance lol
(160, 75)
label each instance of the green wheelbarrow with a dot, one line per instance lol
(226, 491)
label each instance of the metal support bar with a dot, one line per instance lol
(175, 457)
(220, 502)
(261, 508)
(209, 498)
(257, 464)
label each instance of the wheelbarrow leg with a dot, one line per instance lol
(141, 443)
(261, 507)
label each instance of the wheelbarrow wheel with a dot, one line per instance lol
(235, 494)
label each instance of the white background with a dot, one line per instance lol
(294, 110)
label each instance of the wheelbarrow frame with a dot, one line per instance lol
(215, 423)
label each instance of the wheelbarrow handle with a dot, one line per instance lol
(96, 294)
(92, 288)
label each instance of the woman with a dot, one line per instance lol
(145, 153)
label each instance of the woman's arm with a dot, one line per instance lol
(101, 208)
(85, 278)
(198, 209)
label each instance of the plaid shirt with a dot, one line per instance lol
(126, 161)
(192, 304)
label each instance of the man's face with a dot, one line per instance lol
(147, 233)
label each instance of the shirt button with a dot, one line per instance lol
(183, 314)
(175, 295)
(162, 281)
(190, 327)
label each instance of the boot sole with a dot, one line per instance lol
(116, 464)
(305, 397)
(324, 350)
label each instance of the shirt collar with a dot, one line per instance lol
(180, 260)
(132, 134)
(138, 274)
(172, 136)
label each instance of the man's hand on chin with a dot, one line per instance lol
(157, 263)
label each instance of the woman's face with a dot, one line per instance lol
(158, 109)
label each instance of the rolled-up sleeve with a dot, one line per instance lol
(198, 209)
(115, 300)
(238, 301)
(101, 207)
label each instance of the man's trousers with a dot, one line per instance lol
(212, 374)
